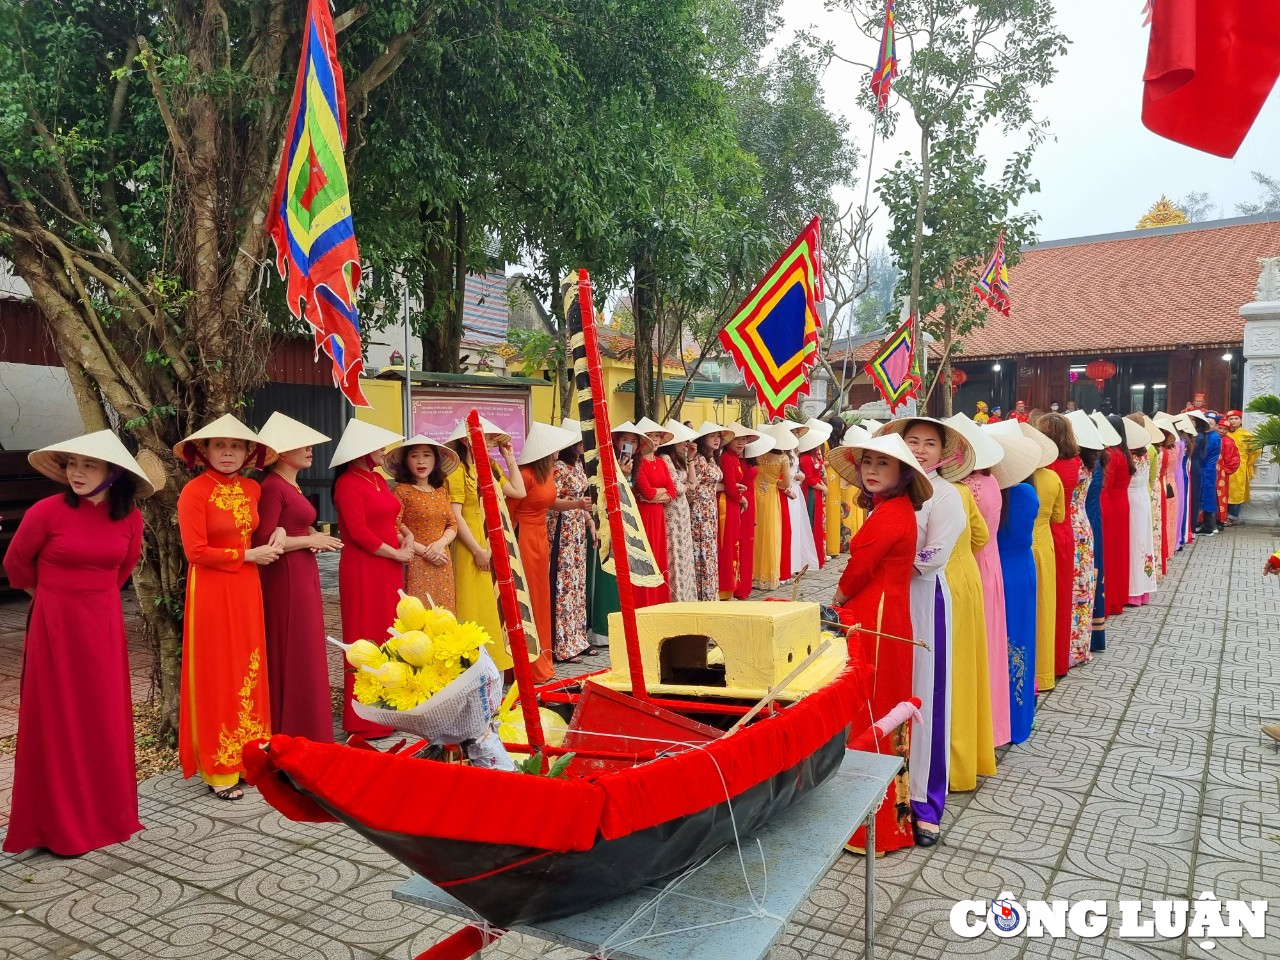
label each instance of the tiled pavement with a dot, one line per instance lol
(1145, 778)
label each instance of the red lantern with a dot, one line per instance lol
(958, 378)
(1099, 371)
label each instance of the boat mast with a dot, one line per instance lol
(594, 415)
(503, 563)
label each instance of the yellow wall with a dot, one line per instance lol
(614, 374)
(386, 407)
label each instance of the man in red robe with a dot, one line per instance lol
(1228, 463)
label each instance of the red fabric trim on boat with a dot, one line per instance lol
(415, 797)
(644, 796)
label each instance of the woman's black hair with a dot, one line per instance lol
(1089, 457)
(1117, 424)
(120, 496)
(674, 451)
(711, 455)
(401, 474)
(570, 455)
(838, 428)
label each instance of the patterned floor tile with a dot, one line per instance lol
(1132, 844)
(35, 878)
(216, 929)
(23, 939)
(114, 904)
(204, 853)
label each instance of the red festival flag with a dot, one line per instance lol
(1210, 66)
(887, 63)
(992, 287)
(310, 214)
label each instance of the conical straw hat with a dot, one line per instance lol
(783, 437)
(1014, 428)
(1105, 430)
(230, 428)
(709, 427)
(359, 439)
(1084, 430)
(986, 452)
(845, 458)
(655, 431)
(543, 441)
(1135, 434)
(646, 441)
(758, 447)
(1154, 433)
(573, 425)
(957, 454)
(497, 436)
(819, 426)
(282, 433)
(99, 445)
(812, 440)
(679, 432)
(1021, 457)
(449, 461)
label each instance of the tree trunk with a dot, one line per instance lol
(646, 282)
(441, 291)
(944, 371)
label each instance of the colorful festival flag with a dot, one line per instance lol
(310, 214)
(887, 63)
(773, 337)
(893, 370)
(992, 287)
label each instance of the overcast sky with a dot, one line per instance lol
(1104, 170)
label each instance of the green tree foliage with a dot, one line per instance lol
(964, 214)
(138, 147)
(966, 64)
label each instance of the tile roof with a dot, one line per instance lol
(1144, 290)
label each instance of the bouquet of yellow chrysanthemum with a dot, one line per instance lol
(433, 679)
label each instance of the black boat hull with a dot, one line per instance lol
(511, 885)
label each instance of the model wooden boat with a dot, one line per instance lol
(653, 786)
(672, 753)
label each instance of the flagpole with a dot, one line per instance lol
(408, 382)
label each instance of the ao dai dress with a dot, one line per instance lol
(986, 494)
(1093, 509)
(704, 525)
(1115, 530)
(473, 587)
(770, 481)
(804, 551)
(368, 585)
(876, 581)
(972, 746)
(74, 781)
(1053, 509)
(1084, 578)
(567, 534)
(225, 699)
(297, 655)
(1065, 561)
(735, 543)
(428, 516)
(940, 521)
(1018, 563)
(650, 477)
(529, 514)
(1142, 558)
(746, 545)
(815, 500)
(679, 536)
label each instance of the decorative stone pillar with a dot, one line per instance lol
(1262, 376)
